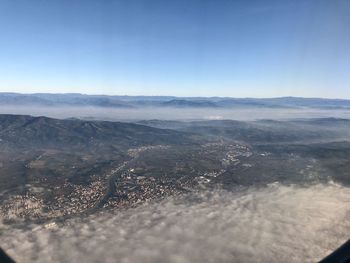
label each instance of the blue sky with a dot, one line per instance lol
(185, 47)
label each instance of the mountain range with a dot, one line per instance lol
(76, 99)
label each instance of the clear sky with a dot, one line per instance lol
(245, 48)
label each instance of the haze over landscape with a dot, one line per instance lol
(174, 131)
(266, 181)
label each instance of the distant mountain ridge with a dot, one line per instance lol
(23, 131)
(76, 99)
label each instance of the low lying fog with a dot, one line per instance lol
(272, 224)
(122, 114)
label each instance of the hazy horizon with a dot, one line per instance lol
(168, 95)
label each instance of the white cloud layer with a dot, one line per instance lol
(272, 224)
